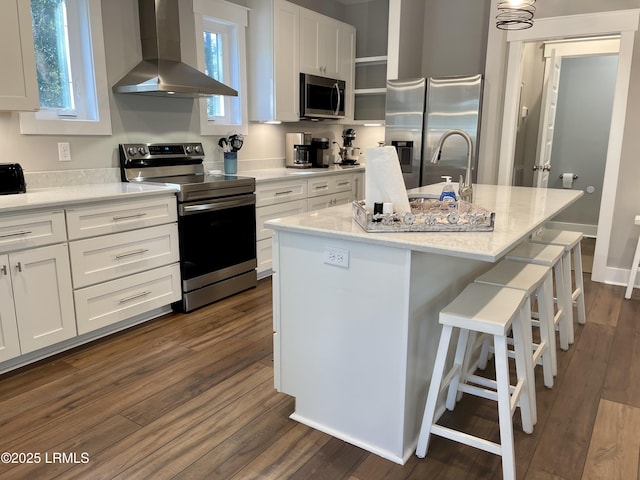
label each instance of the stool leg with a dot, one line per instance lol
(458, 365)
(547, 308)
(546, 329)
(522, 345)
(563, 323)
(484, 353)
(633, 273)
(504, 408)
(568, 292)
(577, 268)
(434, 391)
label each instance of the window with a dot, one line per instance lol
(220, 27)
(70, 69)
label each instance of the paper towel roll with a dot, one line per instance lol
(383, 180)
(567, 180)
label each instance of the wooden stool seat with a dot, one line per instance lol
(494, 311)
(551, 256)
(634, 266)
(571, 243)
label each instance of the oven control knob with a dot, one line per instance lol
(189, 149)
(142, 150)
(131, 151)
(198, 149)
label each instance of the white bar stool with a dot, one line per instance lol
(571, 243)
(494, 311)
(536, 282)
(551, 256)
(634, 266)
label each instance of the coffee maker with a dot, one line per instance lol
(298, 150)
(320, 153)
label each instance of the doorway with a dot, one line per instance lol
(563, 128)
(623, 23)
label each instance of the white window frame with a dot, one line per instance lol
(234, 19)
(92, 116)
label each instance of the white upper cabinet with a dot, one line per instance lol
(327, 46)
(286, 40)
(273, 54)
(319, 37)
(18, 84)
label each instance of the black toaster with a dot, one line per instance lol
(11, 179)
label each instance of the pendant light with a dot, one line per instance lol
(515, 14)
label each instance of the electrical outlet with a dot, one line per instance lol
(337, 257)
(64, 152)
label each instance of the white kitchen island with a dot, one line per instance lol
(355, 344)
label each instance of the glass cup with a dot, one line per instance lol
(230, 163)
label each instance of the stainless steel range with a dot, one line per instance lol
(216, 219)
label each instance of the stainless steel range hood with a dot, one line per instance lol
(161, 71)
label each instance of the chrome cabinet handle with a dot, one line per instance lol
(16, 234)
(125, 217)
(19, 267)
(343, 184)
(133, 297)
(133, 252)
(284, 192)
(321, 187)
(3, 270)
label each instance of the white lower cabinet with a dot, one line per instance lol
(64, 273)
(9, 341)
(290, 197)
(326, 201)
(329, 191)
(117, 276)
(43, 296)
(263, 235)
(111, 302)
(98, 259)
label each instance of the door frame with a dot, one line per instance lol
(621, 22)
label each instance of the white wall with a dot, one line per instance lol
(627, 205)
(138, 118)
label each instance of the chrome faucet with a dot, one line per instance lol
(465, 189)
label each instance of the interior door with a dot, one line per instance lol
(542, 166)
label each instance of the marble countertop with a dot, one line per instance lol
(283, 173)
(59, 196)
(518, 212)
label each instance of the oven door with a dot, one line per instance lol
(217, 239)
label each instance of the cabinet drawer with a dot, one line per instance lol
(111, 302)
(330, 184)
(99, 259)
(278, 192)
(120, 216)
(30, 230)
(279, 210)
(326, 201)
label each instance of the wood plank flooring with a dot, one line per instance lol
(192, 397)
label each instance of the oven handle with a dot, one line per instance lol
(195, 208)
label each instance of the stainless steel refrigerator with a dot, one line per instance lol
(419, 111)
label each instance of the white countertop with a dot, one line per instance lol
(58, 196)
(518, 212)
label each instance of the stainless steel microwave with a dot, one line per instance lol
(321, 98)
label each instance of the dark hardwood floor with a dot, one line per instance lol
(192, 397)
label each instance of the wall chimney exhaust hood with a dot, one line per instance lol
(161, 71)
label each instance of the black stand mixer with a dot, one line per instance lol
(349, 155)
